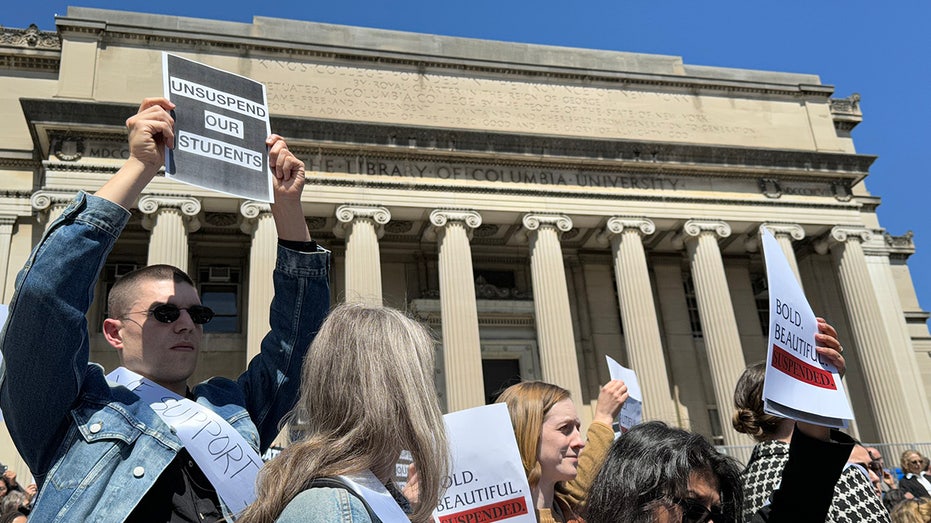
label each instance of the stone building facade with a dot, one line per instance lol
(540, 207)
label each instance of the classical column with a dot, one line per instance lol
(716, 311)
(6, 236)
(50, 204)
(638, 315)
(900, 344)
(558, 361)
(170, 218)
(886, 389)
(259, 223)
(462, 351)
(785, 233)
(362, 226)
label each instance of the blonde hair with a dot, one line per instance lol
(912, 511)
(903, 459)
(528, 402)
(367, 392)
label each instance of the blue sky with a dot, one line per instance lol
(880, 50)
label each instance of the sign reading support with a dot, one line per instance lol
(798, 384)
(221, 123)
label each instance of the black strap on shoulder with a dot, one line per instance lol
(340, 484)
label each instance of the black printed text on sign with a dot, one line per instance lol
(221, 123)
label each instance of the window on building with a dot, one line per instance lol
(500, 279)
(692, 303)
(499, 374)
(220, 289)
(761, 295)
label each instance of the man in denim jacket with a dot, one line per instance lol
(97, 451)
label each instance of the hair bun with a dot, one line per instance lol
(745, 421)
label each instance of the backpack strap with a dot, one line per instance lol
(338, 483)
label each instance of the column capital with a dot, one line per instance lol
(439, 218)
(41, 200)
(7, 221)
(618, 224)
(378, 214)
(692, 229)
(189, 207)
(346, 214)
(792, 230)
(695, 228)
(842, 234)
(534, 222)
(151, 203)
(251, 210)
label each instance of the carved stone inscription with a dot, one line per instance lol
(378, 95)
(493, 173)
(504, 174)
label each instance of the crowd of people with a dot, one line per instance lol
(356, 385)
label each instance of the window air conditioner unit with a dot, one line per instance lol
(221, 274)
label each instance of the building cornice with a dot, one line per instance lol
(308, 136)
(306, 41)
(29, 49)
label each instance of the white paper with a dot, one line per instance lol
(798, 385)
(487, 481)
(221, 123)
(632, 411)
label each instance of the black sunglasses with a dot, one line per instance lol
(694, 511)
(169, 312)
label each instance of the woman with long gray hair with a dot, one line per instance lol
(367, 394)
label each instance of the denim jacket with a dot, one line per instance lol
(95, 448)
(326, 505)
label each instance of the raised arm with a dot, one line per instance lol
(301, 301)
(45, 341)
(288, 182)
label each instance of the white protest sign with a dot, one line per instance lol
(632, 412)
(798, 384)
(228, 461)
(487, 481)
(221, 123)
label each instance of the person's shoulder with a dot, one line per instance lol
(324, 505)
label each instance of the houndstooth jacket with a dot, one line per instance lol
(854, 498)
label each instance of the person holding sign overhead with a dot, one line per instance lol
(547, 429)
(854, 499)
(367, 394)
(143, 444)
(659, 474)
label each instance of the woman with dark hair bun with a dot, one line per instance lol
(854, 497)
(658, 474)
